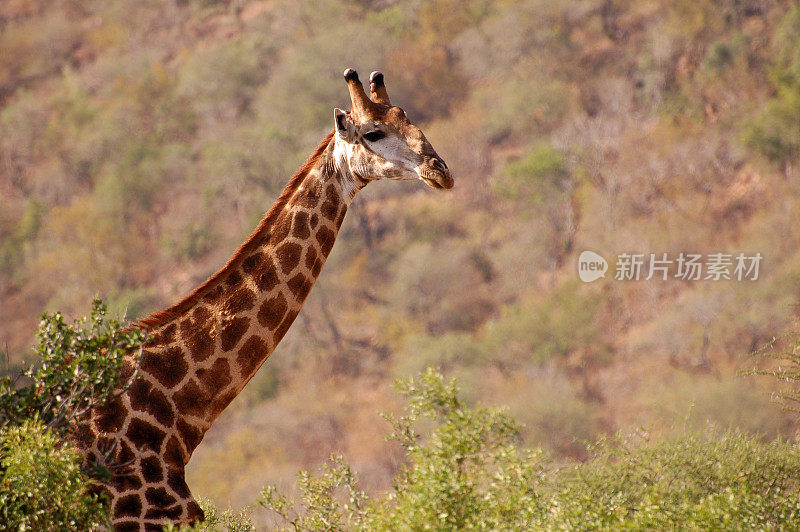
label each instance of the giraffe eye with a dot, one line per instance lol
(374, 136)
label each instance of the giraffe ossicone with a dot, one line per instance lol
(203, 350)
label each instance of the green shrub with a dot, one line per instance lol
(79, 368)
(720, 54)
(724, 53)
(467, 474)
(786, 47)
(774, 131)
(12, 246)
(331, 500)
(784, 352)
(43, 482)
(228, 521)
(464, 473)
(42, 485)
(535, 177)
(714, 481)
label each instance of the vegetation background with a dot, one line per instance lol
(141, 141)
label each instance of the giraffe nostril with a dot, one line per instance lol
(438, 164)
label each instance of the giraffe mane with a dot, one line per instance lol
(158, 319)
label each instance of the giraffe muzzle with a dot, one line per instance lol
(435, 174)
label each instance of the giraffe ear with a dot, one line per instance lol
(343, 125)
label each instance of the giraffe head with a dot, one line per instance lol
(375, 140)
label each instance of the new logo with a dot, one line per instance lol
(591, 266)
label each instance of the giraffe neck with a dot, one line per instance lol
(204, 355)
(203, 350)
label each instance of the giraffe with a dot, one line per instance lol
(203, 350)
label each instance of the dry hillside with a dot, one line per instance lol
(141, 141)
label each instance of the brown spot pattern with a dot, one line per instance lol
(311, 256)
(240, 300)
(194, 512)
(329, 210)
(151, 469)
(200, 341)
(128, 506)
(144, 435)
(331, 194)
(317, 268)
(251, 354)
(145, 398)
(111, 417)
(167, 367)
(106, 443)
(177, 483)
(190, 435)
(308, 198)
(125, 453)
(325, 237)
(197, 334)
(289, 255)
(267, 280)
(159, 497)
(190, 400)
(300, 227)
(299, 285)
(234, 278)
(173, 512)
(124, 483)
(200, 315)
(165, 336)
(281, 228)
(272, 311)
(173, 454)
(284, 326)
(340, 216)
(261, 268)
(126, 526)
(253, 262)
(222, 401)
(128, 367)
(217, 377)
(233, 331)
